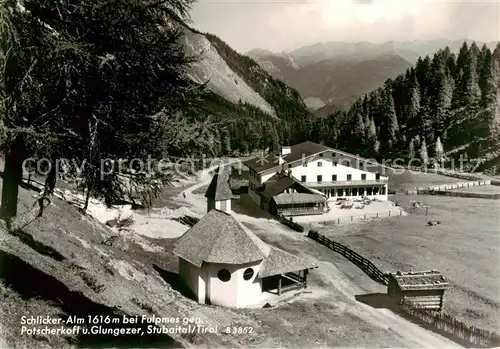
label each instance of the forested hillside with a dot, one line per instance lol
(444, 105)
(244, 127)
(443, 108)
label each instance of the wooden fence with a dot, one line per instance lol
(495, 196)
(468, 176)
(446, 187)
(450, 325)
(361, 262)
(290, 223)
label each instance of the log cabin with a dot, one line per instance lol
(419, 289)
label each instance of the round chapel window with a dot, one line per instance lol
(224, 275)
(248, 273)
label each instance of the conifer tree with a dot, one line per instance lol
(462, 57)
(121, 80)
(445, 96)
(494, 111)
(423, 153)
(392, 122)
(411, 149)
(372, 138)
(227, 144)
(413, 106)
(439, 151)
(359, 131)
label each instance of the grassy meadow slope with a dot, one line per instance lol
(464, 247)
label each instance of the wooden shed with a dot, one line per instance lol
(419, 289)
(296, 204)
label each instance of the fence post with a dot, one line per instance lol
(400, 212)
(338, 220)
(377, 214)
(426, 210)
(389, 213)
(365, 217)
(351, 218)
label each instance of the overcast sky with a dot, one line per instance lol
(284, 25)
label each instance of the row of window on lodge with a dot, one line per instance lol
(319, 178)
(354, 191)
(334, 163)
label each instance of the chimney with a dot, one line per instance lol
(286, 150)
(281, 161)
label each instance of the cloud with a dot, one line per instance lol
(286, 25)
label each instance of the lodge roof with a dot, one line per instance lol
(301, 151)
(297, 198)
(277, 184)
(237, 183)
(219, 238)
(298, 151)
(219, 188)
(420, 280)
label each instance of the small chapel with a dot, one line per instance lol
(224, 263)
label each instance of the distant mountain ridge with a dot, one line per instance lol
(340, 72)
(362, 50)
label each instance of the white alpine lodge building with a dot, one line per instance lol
(308, 173)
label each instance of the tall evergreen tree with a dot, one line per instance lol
(227, 150)
(445, 97)
(438, 150)
(473, 89)
(121, 81)
(489, 80)
(392, 122)
(359, 132)
(494, 112)
(446, 87)
(423, 153)
(413, 105)
(411, 149)
(462, 58)
(372, 138)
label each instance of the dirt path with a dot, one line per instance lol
(204, 178)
